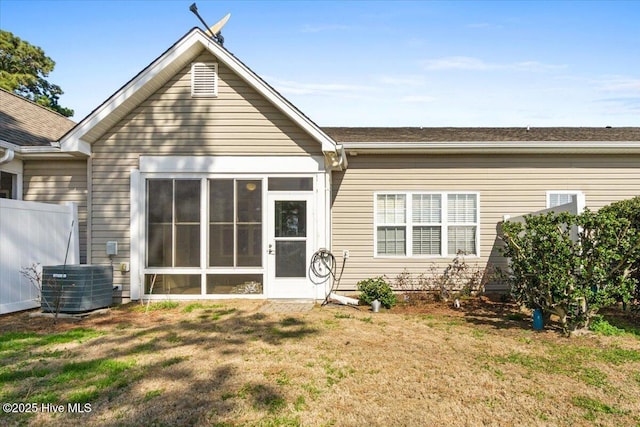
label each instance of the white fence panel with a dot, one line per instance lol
(33, 233)
(571, 207)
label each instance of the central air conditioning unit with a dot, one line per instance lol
(76, 288)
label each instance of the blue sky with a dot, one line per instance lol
(360, 63)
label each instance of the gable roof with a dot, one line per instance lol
(408, 140)
(154, 76)
(24, 123)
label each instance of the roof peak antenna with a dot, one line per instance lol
(215, 30)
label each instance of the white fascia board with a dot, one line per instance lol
(328, 144)
(231, 164)
(35, 151)
(493, 147)
(76, 145)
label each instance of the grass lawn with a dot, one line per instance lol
(228, 363)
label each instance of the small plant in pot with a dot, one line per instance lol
(376, 289)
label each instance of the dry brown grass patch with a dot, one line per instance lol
(227, 363)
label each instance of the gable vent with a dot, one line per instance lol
(204, 79)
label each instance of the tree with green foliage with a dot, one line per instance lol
(573, 277)
(23, 71)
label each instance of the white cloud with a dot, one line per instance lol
(477, 64)
(417, 99)
(619, 83)
(303, 88)
(629, 101)
(457, 63)
(536, 66)
(401, 80)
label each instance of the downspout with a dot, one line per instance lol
(344, 163)
(336, 160)
(9, 154)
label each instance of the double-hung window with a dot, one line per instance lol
(426, 224)
(391, 230)
(426, 216)
(562, 197)
(462, 215)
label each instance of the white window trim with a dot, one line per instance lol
(404, 223)
(207, 94)
(409, 224)
(15, 167)
(580, 198)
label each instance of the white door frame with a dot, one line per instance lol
(290, 287)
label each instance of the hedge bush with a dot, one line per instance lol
(573, 265)
(629, 209)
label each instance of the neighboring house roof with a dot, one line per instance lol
(487, 140)
(24, 123)
(154, 76)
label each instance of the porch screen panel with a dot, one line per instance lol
(160, 222)
(221, 223)
(235, 223)
(173, 223)
(187, 224)
(249, 224)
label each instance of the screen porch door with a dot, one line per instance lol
(291, 227)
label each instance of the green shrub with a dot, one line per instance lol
(376, 288)
(572, 265)
(600, 326)
(629, 209)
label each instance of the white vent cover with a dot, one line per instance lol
(204, 79)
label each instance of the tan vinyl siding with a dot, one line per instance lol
(507, 184)
(239, 121)
(58, 181)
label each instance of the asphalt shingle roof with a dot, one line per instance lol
(444, 134)
(26, 123)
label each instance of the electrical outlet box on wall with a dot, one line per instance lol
(112, 248)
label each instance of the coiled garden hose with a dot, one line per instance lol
(323, 268)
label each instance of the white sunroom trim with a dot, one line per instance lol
(204, 168)
(232, 164)
(136, 278)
